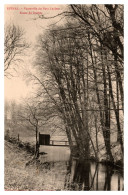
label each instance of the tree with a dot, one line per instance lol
(105, 23)
(64, 60)
(31, 114)
(83, 61)
(14, 47)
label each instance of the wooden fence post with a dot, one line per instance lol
(18, 137)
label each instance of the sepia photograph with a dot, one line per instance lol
(64, 97)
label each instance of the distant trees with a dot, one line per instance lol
(14, 46)
(11, 120)
(83, 61)
(27, 116)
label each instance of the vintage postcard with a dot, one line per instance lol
(64, 97)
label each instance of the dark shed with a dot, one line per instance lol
(44, 139)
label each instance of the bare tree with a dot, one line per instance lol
(83, 61)
(14, 47)
(31, 114)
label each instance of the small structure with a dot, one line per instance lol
(44, 139)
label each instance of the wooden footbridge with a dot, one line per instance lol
(59, 143)
(44, 139)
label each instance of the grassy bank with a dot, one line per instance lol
(24, 173)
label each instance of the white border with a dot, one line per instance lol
(2, 83)
(64, 2)
(2, 98)
(125, 98)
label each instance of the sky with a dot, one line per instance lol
(24, 16)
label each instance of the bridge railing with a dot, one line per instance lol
(60, 143)
(56, 142)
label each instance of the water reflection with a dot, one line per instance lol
(77, 177)
(71, 174)
(90, 176)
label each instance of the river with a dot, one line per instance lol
(70, 174)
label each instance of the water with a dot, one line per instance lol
(55, 153)
(70, 174)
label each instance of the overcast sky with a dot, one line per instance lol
(16, 87)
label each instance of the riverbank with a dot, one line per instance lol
(116, 164)
(30, 148)
(25, 173)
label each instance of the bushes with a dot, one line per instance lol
(11, 139)
(24, 145)
(29, 147)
